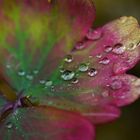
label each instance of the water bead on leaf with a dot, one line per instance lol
(83, 67)
(108, 49)
(67, 75)
(104, 61)
(92, 72)
(21, 73)
(68, 58)
(9, 125)
(119, 49)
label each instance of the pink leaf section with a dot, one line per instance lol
(98, 84)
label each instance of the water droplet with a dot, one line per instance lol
(80, 45)
(99, 55)
(94, 34)
(9, 125)
(8, 66)
(48, 83)
(92, 72)
(104, 61)
(132, 46)
(108, 49)
(42, 81)
(67, 75)
(105, 94)
(21, 73)
(74, 81)
(119, 49)
(83, 67)
(35, 71)
(68, 59)
(116, 84)
(29, 77)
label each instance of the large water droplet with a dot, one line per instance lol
(108, 49)
(94, 34)
(83, 67)
(68, 59)
(104, 61)
(116, 84)
(92, 72)
(21, 73)
(80, 45)
(9, 125)
(67, 75)
(74, 81)
(119, 49)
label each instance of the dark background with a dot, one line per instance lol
(128, 126)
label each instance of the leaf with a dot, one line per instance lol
(45, 123)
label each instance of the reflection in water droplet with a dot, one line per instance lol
(67, 75)
(116, 84)
(83, 67)
(94, 34)
(80, 45)
(104, 61)
(21, 73)
(29, 77)
(108, 49)
(9, 125)
(74, 81)
(119, 49)
(48, 83)
(68, 59)
(92, 72)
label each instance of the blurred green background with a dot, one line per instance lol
(128, 126)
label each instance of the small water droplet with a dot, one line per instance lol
(74, 81)
(9, 125)
(8, 66)
(42, 81)
(116, 84)
(132, 46)
(48, 83)
(92, 72)
(104, 61)
(99, 55)
(119, 49)
(94, 34)
(21, 73)
(29, 77)
(83, 67)
(108, 49)
(68, 59)
(67, 75)
(80, 45)
(35, 71)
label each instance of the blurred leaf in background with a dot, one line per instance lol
(128, 126)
